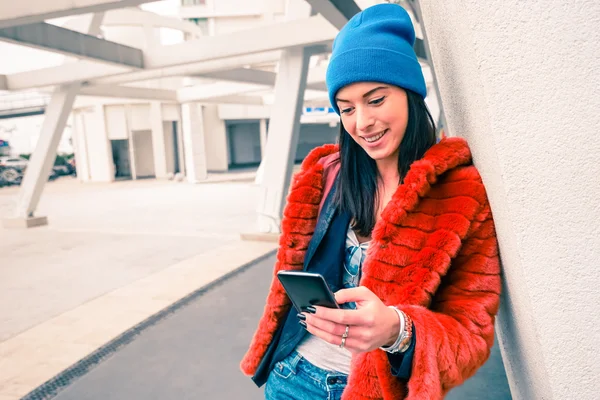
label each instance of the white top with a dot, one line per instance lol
(319, 352)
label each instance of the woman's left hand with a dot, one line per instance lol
(371, 325)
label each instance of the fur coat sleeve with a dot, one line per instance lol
(457, 332)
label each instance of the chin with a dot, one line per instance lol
(379, 154)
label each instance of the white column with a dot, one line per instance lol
(217, 159)
(263, 152)
(284, 128)
(521, 84)
(263, 138)
(42, 158)
(131, 146)
(193, 142)
(158, 140)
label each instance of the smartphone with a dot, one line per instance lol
(307, 289)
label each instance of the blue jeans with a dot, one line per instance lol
(294, 378)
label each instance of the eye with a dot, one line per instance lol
(377, 101)
(345, 110)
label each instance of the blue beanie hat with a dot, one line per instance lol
(376, 45)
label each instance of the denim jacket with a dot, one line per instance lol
(325, 255)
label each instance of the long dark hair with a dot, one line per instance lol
(357, 186)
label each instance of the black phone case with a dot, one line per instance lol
(307, 289)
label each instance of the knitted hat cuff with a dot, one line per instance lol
(375, 65)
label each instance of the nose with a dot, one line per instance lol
(364, 119)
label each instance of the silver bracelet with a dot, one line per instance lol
(395, 347)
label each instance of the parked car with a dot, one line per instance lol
(18, 163)
(10, 176)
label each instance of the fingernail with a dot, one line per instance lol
(302, 317)
(302, 323)
(309, 309)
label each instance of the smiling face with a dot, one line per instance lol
(375, 115)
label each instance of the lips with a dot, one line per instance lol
(375, 138)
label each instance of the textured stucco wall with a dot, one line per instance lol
(521, 81)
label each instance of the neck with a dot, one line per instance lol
(388, 171)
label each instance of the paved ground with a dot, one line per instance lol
(194, 352)
(104, 236)
(112, 256)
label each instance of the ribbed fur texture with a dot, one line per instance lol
(434, 254)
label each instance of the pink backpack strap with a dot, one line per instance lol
(331, 168)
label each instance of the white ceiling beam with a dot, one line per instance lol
(189, 69)
(79, 71)
(101, 74)
(267, 78)
(205, 92)
(315, 79)
(245, 75)
(237, 51)
(314, 30)
(139, 18)
(234, 99)
(54, 38)
(14, 13)
(130, 92)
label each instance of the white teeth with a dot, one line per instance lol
(375, 138)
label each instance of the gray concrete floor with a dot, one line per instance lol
(105, 236)
(194, 352)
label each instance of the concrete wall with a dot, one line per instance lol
(520, 81)
(143, 153)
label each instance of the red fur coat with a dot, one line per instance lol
(434, 255)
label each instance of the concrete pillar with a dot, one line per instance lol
(263, 152)
(215, 139)
(520, 81)
(263, 138)
(193, 142)
(283, 138)
(131, 148)
(42, 159)
(158, 140)
(99, 150)
(80, 144)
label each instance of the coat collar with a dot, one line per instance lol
(449, 153)
(446, 155)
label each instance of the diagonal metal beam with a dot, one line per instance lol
(348, 8)
(31, 11)
(54, 38)
(328, 10)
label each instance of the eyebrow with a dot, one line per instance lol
(370, 92)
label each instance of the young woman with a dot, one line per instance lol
(401, 229)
